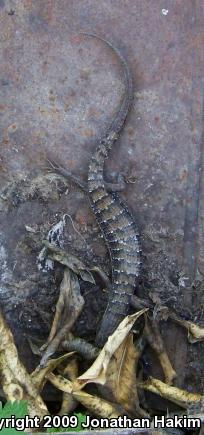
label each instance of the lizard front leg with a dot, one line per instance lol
(111, 187)
(67, 174)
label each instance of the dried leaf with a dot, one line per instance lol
(153, 336)
(95, 404)
(69, 301)
(30, 229)
(71, 369)
(60, 382)
(195, 332)
(86, 276)
(69, 260)
(121, 375)
(16, 382)
(68, 405)
(68, 402)
(68, 308)
(97, 372)
(181, 397)
(38, 375)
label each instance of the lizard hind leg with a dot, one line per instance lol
(116, 186)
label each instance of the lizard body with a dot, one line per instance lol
(114, 218)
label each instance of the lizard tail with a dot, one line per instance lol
(95, 173)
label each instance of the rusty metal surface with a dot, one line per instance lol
(58, 90)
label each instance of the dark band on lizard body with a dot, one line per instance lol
(114, 218)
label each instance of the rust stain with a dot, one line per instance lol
(183, 175)
(50, 112)
(12, 128)
(84, 74)
(131, 131)
(88, 132)
(93, 112)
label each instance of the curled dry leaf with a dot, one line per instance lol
(69, 302)
(16, 382)
(154, 338)
(97, 372)
(60, 382)
(68, 402)
(38, 375)
(95, 404)
(69, 260)
(30, 229)
(195, 332)
(181, 397)
(69, 306)
(121, 376)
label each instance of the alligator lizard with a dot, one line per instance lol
(114, 219)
